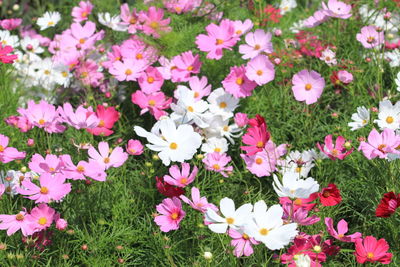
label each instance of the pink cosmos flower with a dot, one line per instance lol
(42, 216)
(316, 19)
(345, 76)
(155, 103)
(4, 57)
(61, 224)
(217, 162)
(82, 12)
(10, 24)
(186, 64)
(107, 116)
(256, 43)
(91, 169)
(105, 159)
(51, 164)
(256, 136)
(7, 153)
(128, 69)
(13, 223)
(153, 22)
(335, 152)
(242, 27)
(131, 19)
(307, 86)
(300, 202)
(199, 86)
(178, 178)
(151, 80)
(237, 83)
(370, 37)
(241, 119)
(52, 188)
(134, 147)
(379, 145)
(371, 250)
(166, 67)
(260, 69)
(337, 9)
(300, 216)
(198, 203)
(342, 229)
(20, 122)
(242, 243)
(112, 56)
(218, 38)
(171, 214)
(136, 49)
(82, 118)
(181, 6)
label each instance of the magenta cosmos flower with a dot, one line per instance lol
(43, 216)
(130, 19)
(337, 151)
(218, 38)
(379, 145)
(198, 203)
(185, 64)
(105, 159)
(10, 24)
(155, 103)
(153, 22)
(337, 9)
(342, 228)
(370, 37)
(171, 214)
(151, 80)
(52, 188)
(82, 12)
(237, 83)
(13, 223)
(134, 147)
(217, 162)
(181, 178)
(260, 70)
(307, 86)
(256, 43)
(242, 243)
(7, 153)
(108, 116)
(371, 250)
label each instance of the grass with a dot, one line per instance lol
(114, 219)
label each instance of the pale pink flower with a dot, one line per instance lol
(316, 19)
(7, 153)
(299, 215)
(82, 12)
(198, 203)
(370, 37)
(242, 27)
(82, 118)
(61, 224)
(51, 164)
(334, 151)
(199, 86)
(217, 162)
(256, 43)
(185, 65)
(237, 83)
(242, 243)
(155, 103)
(218, 38)
(151, 80)
(21, 221)
(128, 69)
(52, 188)
(171, 214)
(379, 145)
(166, 67)
(260, 70)
(342, 228)
(134, 147)
(42, 216)
(241, 119)
(337, 9)
(89, 73)
(105, 159)
(91, 169)
(131, 19)
(153, 22)
(307, 86)
(345, 76)
(181, 178)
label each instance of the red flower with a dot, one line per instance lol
(330, 196)
(389, 203)
(273, 14)
(108, 117)
(371, 250)
(167, 189)
(3, 54)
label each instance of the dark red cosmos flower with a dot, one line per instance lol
(330, 196)
(389, 203)
(167, 189)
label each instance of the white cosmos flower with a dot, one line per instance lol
(267, 226)
(397, 81)
(31, 45)
(232, 217)
(393, 57)
(112, 22)
(287, 5)
(222, 103)
(302, 260)
(360, 119)
(329, 57)
(294, 187)
(49, 19)
(215, 144)
(175, 143)
(188, 108)
(219, 127)
(389, 115)
(296, 162)
(7, 39)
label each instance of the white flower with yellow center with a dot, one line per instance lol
(287, 5)
(360, 119)
(31, 45)
(112, 22)
(215, 144)
(234, 218)
(267, 226)
(397, 81)
(174, 143)
(389, 115)
(222, 103)
(293, 186)
(7, 39)
(49, 19)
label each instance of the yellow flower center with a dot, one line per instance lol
(174, 216)
(42, 121)
(230, 220)
(298, 202)
(257, 46)
(64, 74)
(259, 161)
(183, 180)
(244, 236)
(173, 146)
(150, 79)
(308, 87)
(196, 94)
(389, 119)
(47, 72)
(317, 249)
(238, 32)
(190, 109)
(84, 14)
(298, 169)
(190, 68)
(132, 150)
(101, 123)
(217, 149)
(239, 81)
(19, 217)
(52, 169)
(154, 25)
(152, 102)
(219, 41)
(50, 23)
(107, 160)
(222, 105)
(335, 152)
(139, 56)
(42, 221)
(82, 41)
(132, 20)
(340, 235)
(370, 255)
(84, 74)
(128, 72)
(1, 148)
(370, 39)
(264, 231)
(381, 147)
(44, 190)
(80, 168)
(259, 72)
(226, 128)
(216, 167)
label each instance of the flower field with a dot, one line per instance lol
(199, 133)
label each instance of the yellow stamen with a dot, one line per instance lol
(230, 220)
(42, 221)
(222, 105)
(264, 231)
(44, 190)
(239, 81)
(259, 161)
(173, 146)
(259, 72)
(308, 87)
(389, 119)
(19, 217)
(150, 79)
(152, 102)
(219, 41)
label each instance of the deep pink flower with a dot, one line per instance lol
(167, 189)
(300, 202)
(181, 178)
(218, 38)
(105, 159)
(155, 103)
(260, 70)
(7, 153)
(82, 12)
(388, 205)
(131, 19)
(370, 37)
(13, 223)
(337, 151)
(107, 116)
(4, 57)
(242, 243)
(43, 216)
(256, 136)
(52, 188)
(237, 83)
(134, 147)
(341, 230)
(171, 214)
(379, 145)
(217, 162)
(150, 80)
(256, 43)
(330, 196)
(153, 22)
(371, 250)
(10, 24)
(185, 64)
(307, 86)
(198, 203)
